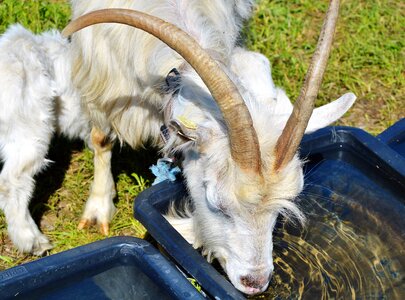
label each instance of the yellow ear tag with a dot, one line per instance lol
(187, 123)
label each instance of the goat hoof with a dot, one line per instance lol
(85, 223)
(105, 229)
(41, 248)
(28, 239)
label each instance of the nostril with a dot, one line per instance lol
(254, 281)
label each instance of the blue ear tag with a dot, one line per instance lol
(164, 170)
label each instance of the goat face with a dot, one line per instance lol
(234, 212)
(234, 216)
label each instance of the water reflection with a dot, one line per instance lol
(345, 251)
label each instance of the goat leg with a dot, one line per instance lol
(99, 207)
(23, 161)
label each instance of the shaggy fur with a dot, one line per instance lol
(36, 100)
(121, 73)
(143, 61)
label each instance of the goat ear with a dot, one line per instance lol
(321, 116)
(186, 134)
(283, 104)
(173, 80)
(184, 128)
(182, 135)
(329, 113)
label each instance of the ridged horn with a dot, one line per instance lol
(288, 143)
(243, 139)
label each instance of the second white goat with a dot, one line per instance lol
(36, 100)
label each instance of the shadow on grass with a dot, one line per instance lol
(50, 180)
(129, 161)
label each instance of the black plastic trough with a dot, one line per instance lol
(115, 268)
(394, 137)
(363, 170)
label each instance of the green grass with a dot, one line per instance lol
(36, 15)
(367, 59)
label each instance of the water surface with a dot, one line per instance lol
(352, 247)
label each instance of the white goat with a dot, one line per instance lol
(36, 100)
(225, 116)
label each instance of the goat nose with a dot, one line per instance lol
(254, 284)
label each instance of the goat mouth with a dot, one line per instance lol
(254, 280)
(250, 288)
(253, 290)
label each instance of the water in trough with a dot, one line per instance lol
(352, 246)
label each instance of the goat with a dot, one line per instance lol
(239, 149)
(37, 100)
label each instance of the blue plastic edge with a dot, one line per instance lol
(44, 271)
(392, 132)
(376, 152)
(394, 135)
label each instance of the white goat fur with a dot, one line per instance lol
(120, 72)
(36, 100)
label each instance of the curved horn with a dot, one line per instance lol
(242, 136)
(294, 130)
